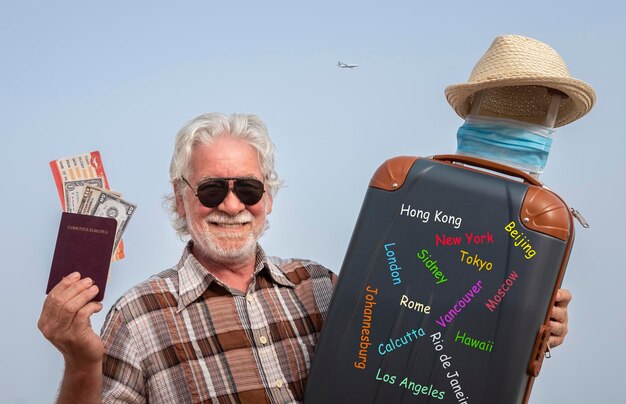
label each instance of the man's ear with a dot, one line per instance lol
(180, 206)
(268, 206)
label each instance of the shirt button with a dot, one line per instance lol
(249, 298)
(279, 383)
(263, 339)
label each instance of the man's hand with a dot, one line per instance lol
(558, 318)
(64, 321)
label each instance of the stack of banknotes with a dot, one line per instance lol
(84, 189)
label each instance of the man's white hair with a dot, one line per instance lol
(203, 130)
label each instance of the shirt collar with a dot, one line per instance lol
(194, 279)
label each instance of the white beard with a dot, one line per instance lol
(225, 247)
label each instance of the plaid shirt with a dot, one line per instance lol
(182, 336)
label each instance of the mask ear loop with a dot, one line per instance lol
(553, 109)
(478, 100)
(549, 121)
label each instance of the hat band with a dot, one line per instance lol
(518, 144)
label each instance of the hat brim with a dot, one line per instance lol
(580, 93)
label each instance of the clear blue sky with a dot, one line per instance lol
(122, 77)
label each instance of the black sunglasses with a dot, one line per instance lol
(212, 192)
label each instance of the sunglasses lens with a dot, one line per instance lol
(249, 191)
(212, 193)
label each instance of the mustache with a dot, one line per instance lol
(224, 218)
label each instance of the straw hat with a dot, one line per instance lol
(517, 71)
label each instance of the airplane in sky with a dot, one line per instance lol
(345, 65)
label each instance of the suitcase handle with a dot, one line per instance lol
(459, 158)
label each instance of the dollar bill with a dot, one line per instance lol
(92, 194)
(100, 202)
(74, 190)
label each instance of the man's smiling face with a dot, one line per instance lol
(228, 232)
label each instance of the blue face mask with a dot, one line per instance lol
(517, 144)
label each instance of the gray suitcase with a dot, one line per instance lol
(446, 288)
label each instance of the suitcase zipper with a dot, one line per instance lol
(580, 218)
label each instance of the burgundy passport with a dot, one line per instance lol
(84, 244)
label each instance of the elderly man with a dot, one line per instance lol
(227, 323)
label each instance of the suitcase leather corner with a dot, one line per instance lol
(391, 175)
(546, 213)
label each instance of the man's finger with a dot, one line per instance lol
(557, 329)
(66, 290)
(66, 282)
(81, 320)
(555, 341)
(558, 314)
(72, 306)
(53, 301)
(563, 297)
